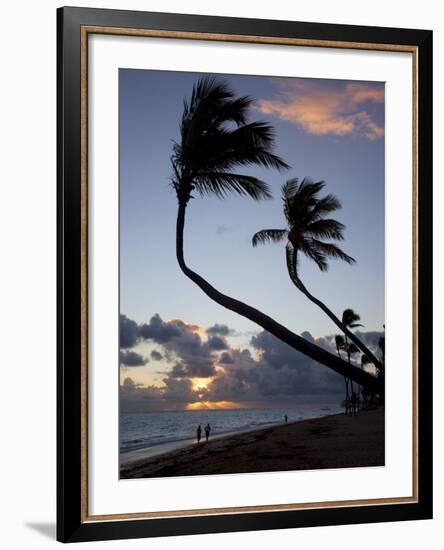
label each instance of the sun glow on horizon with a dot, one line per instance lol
(202, 405)
(200, 383)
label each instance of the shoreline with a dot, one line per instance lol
(130, 458)
(331, 441)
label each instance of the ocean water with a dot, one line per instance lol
(158, 431)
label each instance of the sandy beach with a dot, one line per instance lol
(335, 441)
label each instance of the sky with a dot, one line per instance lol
(179, 349)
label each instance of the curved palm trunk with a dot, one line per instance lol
(267, 323)
(348, 333)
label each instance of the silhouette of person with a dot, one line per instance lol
(199, 433)
(286, 419)
(207, 431)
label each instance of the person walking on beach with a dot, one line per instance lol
(286, 418)
(199, 433)
(207, 431)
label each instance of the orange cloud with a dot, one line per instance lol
(328, 112)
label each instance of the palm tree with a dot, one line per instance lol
(307, 225)
(340, 344)
(381, 346)
(215, 139)
(350, 320)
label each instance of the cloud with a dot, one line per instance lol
(266, 373)
(191, 347)
(370, 339)
(217, 343)
(159, 331)
(156, 355)
(219, 330)
(175, 394)
(278, 375)
(226, 359)
(129, 332)
(132, 359)
(328, 111)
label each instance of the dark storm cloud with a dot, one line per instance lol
(226, 359)
(269, 371)
(217, 343)
(219, 330)
(156, 355)
(129, 332)
(174, 395)
(179, 390)
(181, 343)
(159, 331)
(132, 359)
(195, 357)
(278, 373)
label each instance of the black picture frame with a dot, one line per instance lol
(71, 525)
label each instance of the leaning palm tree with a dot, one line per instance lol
(215, 140)
(308, 228)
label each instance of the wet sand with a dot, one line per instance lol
(335, 441)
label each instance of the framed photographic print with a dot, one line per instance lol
(245, 269)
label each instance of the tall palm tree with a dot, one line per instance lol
(350, 320)
(215, 139)
(381, 346)
(340, 344)
(307, 228)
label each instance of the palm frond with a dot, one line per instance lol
(308, 189)
(350, 318)
(290, 188)
(313, 252)
(365, 360)
(326, 228)
(269, 236)
(339, 341)
(352, 348)
(248, 144)
(223, 183)
(208, 97)
(332, 251)
(210, 148)
(326, 205)
(235, 111)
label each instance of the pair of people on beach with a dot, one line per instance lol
(207, 432)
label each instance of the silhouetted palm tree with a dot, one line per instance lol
(215, 139)
(307, 228)
(340, 344)
(381, 346)
(350, 320)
